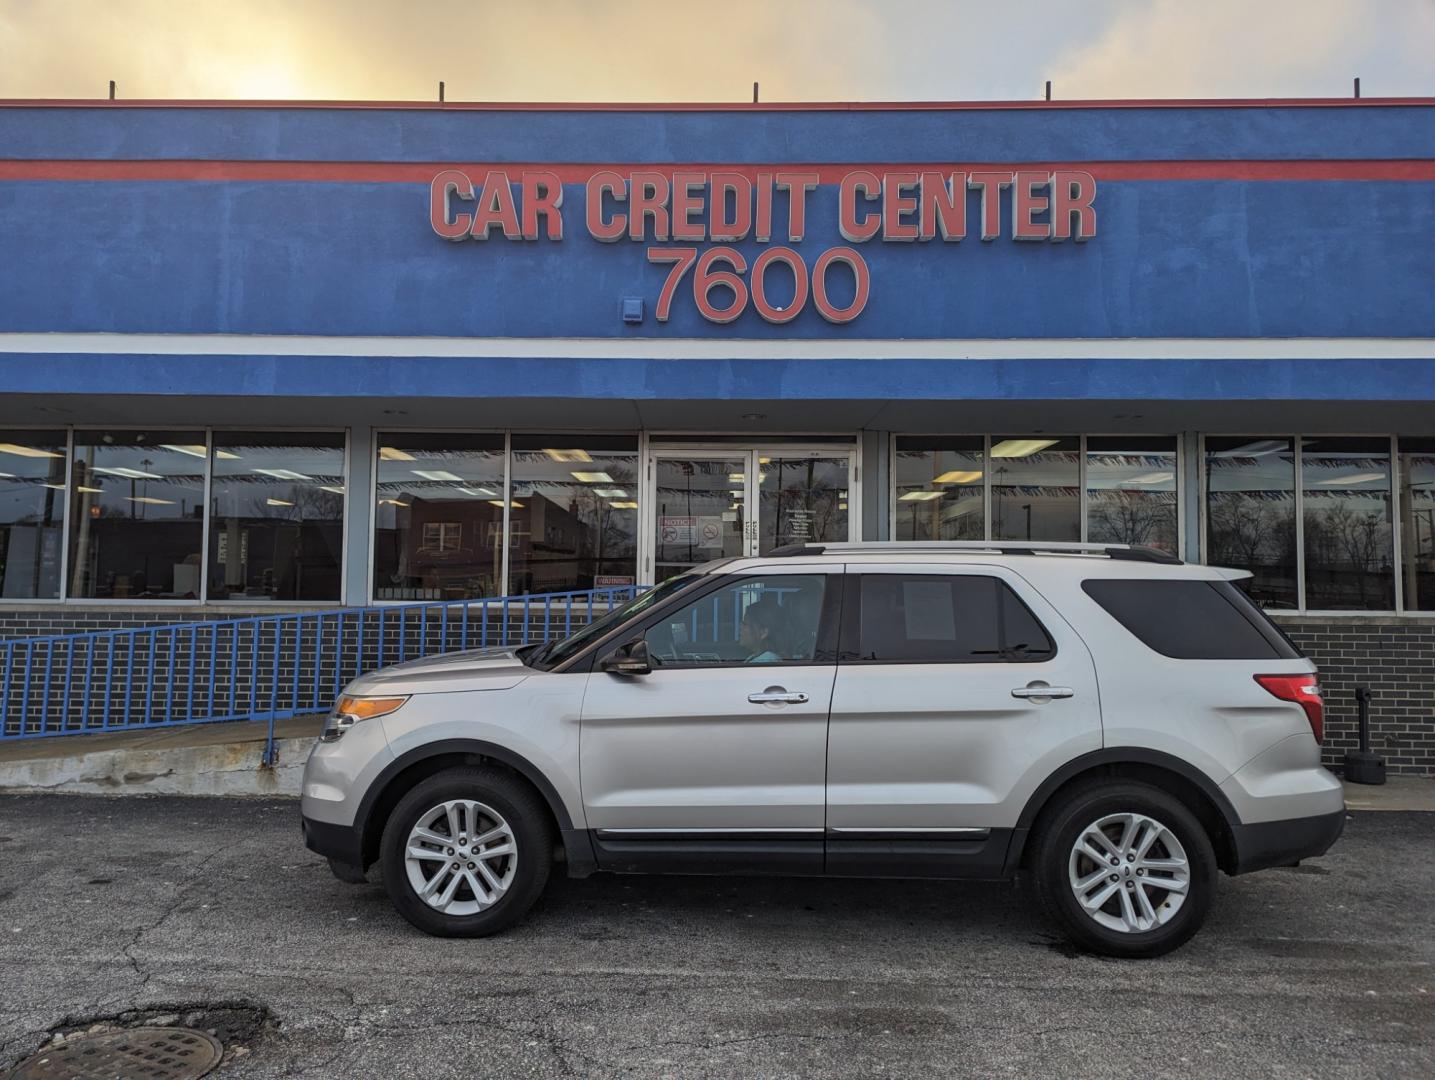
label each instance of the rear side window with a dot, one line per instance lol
(943, 619)
(1192, 620)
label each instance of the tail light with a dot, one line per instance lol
(1304, 690)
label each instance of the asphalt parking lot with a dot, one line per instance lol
(207, 908)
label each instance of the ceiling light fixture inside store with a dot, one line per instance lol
(610, 493)
(512, 505)
(959, 476)
(127, 473)
(569, 455)
(393, 453)
(479, 493)
(1353, 478)
(627, 505)
(592, 477)
(283, 474)
(330, 487)
(26, 451)
(438, 474)
(736, 478)
(1151, 478)
(277, 502)
(919, 496)
(391, 502)
(89, 490)
(149, 500)
(1009, 448)
(197, 450)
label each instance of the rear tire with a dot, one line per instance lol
(1101, 857)
(467, 852)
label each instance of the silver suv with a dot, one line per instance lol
(1109, 722)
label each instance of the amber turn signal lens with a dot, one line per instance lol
(363, 708)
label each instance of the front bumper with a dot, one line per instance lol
(342, 845)
(1284, 843)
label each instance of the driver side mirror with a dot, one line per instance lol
(629, 659)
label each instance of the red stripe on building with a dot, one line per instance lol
(363, 172)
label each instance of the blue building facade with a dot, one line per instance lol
(264, 356)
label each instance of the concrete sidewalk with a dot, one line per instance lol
(197, 759)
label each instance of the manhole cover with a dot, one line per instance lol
(146, 1053)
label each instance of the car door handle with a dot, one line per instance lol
(1043, 692)
(776, 695)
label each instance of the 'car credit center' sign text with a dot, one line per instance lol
(675, 212)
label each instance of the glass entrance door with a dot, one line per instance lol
(712, 504)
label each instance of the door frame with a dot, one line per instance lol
(753, 449)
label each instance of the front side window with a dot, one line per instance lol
(136, 514)
(752, 621)
(942, 619)
(454, 482)
(32, 500)
(276, 530)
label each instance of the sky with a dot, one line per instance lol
(670, 50)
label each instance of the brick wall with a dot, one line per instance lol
(1395, 657)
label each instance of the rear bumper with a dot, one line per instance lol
(1283, 843)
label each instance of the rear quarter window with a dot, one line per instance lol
(1191, 620)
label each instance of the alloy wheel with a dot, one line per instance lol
(1129, 873)
(461, 857)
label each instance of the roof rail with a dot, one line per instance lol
(1130, 552)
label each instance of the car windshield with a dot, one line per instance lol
(555, 653)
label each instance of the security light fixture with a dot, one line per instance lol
(1009, 448)
(393, 453)
(592, 477)
(919, 496)
(438, 474)
(959, 476)
(569, 455)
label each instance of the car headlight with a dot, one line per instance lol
(348, 711)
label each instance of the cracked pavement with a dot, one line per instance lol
(109, 905)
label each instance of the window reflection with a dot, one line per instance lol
(137, 500)
(803, 499)
(1346, 513)
(438, 516)
(276, 530)
(574, 520)
(1250, 513)
(32, 500)
(1417, 522)
(939, 488)
(1131, 491)
(1036, 487)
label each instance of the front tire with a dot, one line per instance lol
(1124, 869)
(467, 852)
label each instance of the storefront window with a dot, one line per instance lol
(32, 500)
(136, 506)
(1036, 487)
(574, 520)
(1131, 491)
(1349, 556)
(276, 529)
(939, 482)
(802, 499)
(1417, 523)
(1250, 514)
(438, 516)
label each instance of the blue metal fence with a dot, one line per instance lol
(262, 667)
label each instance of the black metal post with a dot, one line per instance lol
(1361, 766)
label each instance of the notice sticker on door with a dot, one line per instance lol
(709, 531)
(676, 530)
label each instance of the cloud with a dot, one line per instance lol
(1239, 48)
